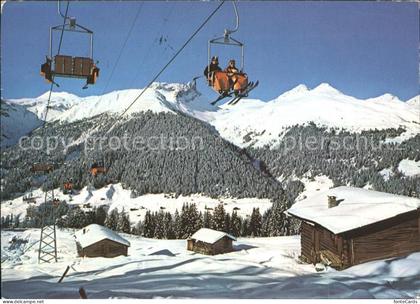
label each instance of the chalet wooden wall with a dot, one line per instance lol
(316, 240)
(307, 241)
(104, 248)
(393, 241)
(221, 246)
(391, 238)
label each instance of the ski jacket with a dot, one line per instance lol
(213, 67)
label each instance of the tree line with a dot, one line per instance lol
(164, 225)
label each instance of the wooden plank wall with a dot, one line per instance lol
(395, 240)
(105, 248)
(315, 238)
(307, 238)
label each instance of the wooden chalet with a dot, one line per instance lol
(98, 241)
(345, 226)
(210, 242)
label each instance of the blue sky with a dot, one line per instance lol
(364, 49)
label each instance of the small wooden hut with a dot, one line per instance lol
(98, 241)
(345, 226)
(210, 242)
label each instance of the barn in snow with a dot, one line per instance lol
(345, 226)
(98, 241)
(211, 242)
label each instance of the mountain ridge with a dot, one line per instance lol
(323, 105)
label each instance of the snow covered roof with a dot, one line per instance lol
(357, 208)
(94, 233)
(210, 236)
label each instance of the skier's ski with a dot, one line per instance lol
(248, 89)
(221, 96)
(233, 100)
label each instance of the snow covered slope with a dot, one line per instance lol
(160, 97)
(16, 121)
(60, 102)
(115, 196)
(409, 167)
(262, 123)
(415, 101)
(258, 268)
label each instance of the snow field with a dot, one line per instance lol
(115, 196)
(259, 268)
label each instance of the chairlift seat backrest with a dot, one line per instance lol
(63, 64)
(83, 66)
(42, 168)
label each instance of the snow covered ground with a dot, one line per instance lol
(314, 185)
(259, 268)
(115, 196)
(409, 167)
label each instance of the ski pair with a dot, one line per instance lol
(245, 93)
(236, 99)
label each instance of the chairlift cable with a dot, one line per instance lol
(171, 60)
(147, 54)
(121, 51)
(58, 52)
(119, 57)
(123, 46)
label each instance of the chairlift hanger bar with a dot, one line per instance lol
(221, 40)
(72, 20)
(67, 28)
(226, 39)
(70, 27)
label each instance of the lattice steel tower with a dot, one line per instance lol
(48, 240)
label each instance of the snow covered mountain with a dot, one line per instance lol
(415, 101)
(213, 167)
(16, 121)
(60, 102)
(251, 122)
(160, 97)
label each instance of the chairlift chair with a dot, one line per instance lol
(223, 83)
(219, 80)
(68, 66)
(42, 167)
(97, 168)
(68, 187)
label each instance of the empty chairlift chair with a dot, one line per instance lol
(69, 66)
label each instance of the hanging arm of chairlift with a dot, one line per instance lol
(76, 28)
(228, 31)
(233, 42)
(227, 39)
(72, 25)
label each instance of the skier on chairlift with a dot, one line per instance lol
(214, 66)
(231, 69)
